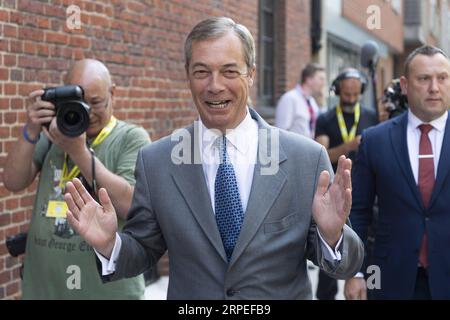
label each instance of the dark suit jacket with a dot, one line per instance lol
(171, 210)
(383, 168)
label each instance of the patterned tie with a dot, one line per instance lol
(228, 207)
(426, 181)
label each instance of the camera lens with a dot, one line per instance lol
(72, 118)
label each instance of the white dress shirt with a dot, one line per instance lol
(292, 112)
(242, 150)
(436, 136)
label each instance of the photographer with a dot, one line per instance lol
(58, 263)
(394, 102)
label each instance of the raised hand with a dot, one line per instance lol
(96, 223)
(332, 204)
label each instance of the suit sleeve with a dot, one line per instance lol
(363, 194)
(351, 248)
(142, 240)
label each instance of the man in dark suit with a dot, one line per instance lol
(234, 228)
(406, 162)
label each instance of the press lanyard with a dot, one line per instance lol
(346, 137)
(66, 175)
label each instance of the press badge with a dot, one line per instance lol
(56, 209)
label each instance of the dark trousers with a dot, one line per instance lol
(422, 289)
(327, 287)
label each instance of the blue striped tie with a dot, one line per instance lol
(228, 207)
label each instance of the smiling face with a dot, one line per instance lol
(427, 86)
(220, 81)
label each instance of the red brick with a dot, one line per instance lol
(42, 50)
(10, 117)
(27, 201)
(31, 6)
(9, 60)
(4, 74)
(10, 31)
(18, 216)
(55, 37)
(17, 103)
(11, 231)
(10, 89)
(5, 277)
(30, 33)
(79, 42)
(4, 15)
(29, 47)
(12, 288)
(12, 204)
(5, 219)
(16, 46)
(11, 262)
(30, 62)
(25, 88)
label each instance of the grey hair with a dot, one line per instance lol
(217, 27)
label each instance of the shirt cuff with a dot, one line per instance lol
(109, 266)
(328, 253)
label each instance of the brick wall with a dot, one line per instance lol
(391, 30)
(293, 43)
(140, 43)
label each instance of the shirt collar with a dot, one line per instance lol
(239, 137)
(438, 124)
(302, 93)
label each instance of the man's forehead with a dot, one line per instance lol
(423, 63)
(350, 82)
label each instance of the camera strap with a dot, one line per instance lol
(66, 175)
(346, 137)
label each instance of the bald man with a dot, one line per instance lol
(58, 263)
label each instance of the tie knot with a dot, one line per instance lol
(221, 143)
(425, 128)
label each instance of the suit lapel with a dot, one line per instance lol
(444, 164)
(265, 188)
(400, 147)
(190, 181)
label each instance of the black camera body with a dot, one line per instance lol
(17, 244)
(392, 96)
(72, 113)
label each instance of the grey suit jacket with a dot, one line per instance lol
(171, 210)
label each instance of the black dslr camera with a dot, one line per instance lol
(16, 244)
(396, 101)
(72, 113)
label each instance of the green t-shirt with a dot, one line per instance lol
(59, 264)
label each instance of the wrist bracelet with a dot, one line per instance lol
(27, 137)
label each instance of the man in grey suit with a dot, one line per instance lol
(239, 208)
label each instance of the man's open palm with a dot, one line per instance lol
(96, 223)
(332, 204)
